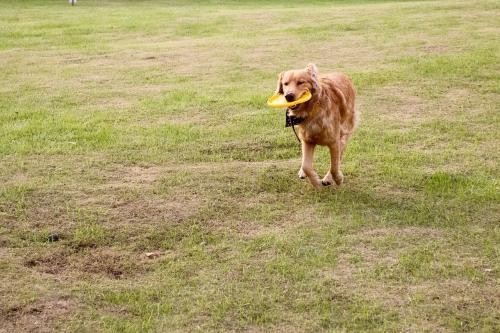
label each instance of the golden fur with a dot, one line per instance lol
(330, 117)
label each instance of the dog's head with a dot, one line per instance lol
(294, 83)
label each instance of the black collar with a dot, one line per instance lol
(292, 120)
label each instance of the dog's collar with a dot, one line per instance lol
(292, 120)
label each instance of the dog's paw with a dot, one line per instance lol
(327, 180)
(339, 178)
(302, 174)
(317, 184)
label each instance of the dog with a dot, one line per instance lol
(329, 118)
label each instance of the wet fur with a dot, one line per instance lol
(330, 117)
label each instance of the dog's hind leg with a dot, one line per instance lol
(343, 144)
(307, 164)
(334, 174)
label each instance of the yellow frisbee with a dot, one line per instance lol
(279, 101)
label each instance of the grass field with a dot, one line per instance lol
(130, 127)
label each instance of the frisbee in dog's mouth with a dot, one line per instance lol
(279, 101)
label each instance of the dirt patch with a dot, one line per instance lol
(155, 210)
(413, 232)
(40, 316)
(436, 49)
(376, 247)
(114, 103)
(400, 105)
(18, 178)
(138, 194)
(132, 175)
(407, 106)
(110, 263)
(387, 190)
(87, 263)
(295, 218)
(51, 262)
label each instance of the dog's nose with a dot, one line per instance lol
(290, 97)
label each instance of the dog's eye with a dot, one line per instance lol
(300, 82)
(285, 84)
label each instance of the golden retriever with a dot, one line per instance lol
(328, 118)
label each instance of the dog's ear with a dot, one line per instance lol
(313, 71)
(279, 86)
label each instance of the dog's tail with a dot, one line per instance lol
(343, 103)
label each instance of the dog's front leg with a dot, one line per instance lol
(302, 174)
(307, 164)
(334, 174)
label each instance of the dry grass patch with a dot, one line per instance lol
(423, 300)
(87, 263)
(43, 315)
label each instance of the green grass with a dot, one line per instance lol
(136, 127)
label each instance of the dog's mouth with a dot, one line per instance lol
(297, 106)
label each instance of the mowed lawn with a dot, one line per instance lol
(145, 185)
